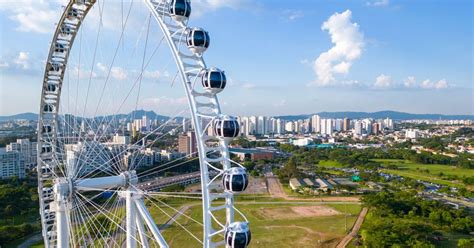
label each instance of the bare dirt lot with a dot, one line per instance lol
(274, 187)
(298, 212)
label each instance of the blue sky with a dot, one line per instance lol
(281, 57)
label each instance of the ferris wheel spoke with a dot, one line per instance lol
(105, 212)
(171, 195)
(168, 167)
(109, 70)
(85, 216)
(178, 211)
(174, 220)
(136, 81)
(93, 217)
(144, 173)
(120, 154)
(95, 224)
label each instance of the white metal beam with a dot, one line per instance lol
(150, 223)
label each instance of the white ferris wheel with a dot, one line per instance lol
(94, 190)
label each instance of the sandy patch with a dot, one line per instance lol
(311, 211)
(297, 212)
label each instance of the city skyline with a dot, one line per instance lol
(387, 63)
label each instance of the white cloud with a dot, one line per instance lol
(348, 44)
(103, 68)
(82, 73)
(291, 15)
(378, 3)
(409, 82)
(165, 104)
(23, 60)
(248, 86)
(352, 83)
(118, 73)
(441, 84)
(33, 15)
(152, 74)
(383, 81)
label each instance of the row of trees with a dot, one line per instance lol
(356, 157)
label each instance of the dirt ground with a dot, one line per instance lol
(274, 187)
(256, 186)
(298, 212)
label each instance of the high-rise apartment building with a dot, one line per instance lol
(187, 143)
(316, 124)
(358, 128)
(261, 125)
(346, 125)
(11, 164)
(27, 149)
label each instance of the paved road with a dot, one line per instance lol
(31, 241)
(176, 216)
(355, 229)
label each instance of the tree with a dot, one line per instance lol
(465, 243)
(289, 170)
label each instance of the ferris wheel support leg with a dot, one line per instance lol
(62, 228)
(230, 210)
(131, 220)
(150, 223)
(142, 231)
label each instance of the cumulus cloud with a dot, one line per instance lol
(102, 68)
(81, 73)
(152, 74)
(22, 60)
(33, 15)
(378, 3)
(118, 73)
(386, 82)
(441, 84)
(409, 82)
(348, 43)
(383, 81)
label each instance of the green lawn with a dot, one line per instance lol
(267, 232)
(418, 171)
(330, 164)
(299, 231)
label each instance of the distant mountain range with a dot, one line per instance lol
(151, 115)
(380, 115)
(23, 116)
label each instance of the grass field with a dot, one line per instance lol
(330, 164)
(279, 224)
(418, 171)
(276, 225)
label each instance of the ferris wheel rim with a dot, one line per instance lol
(49, 111)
